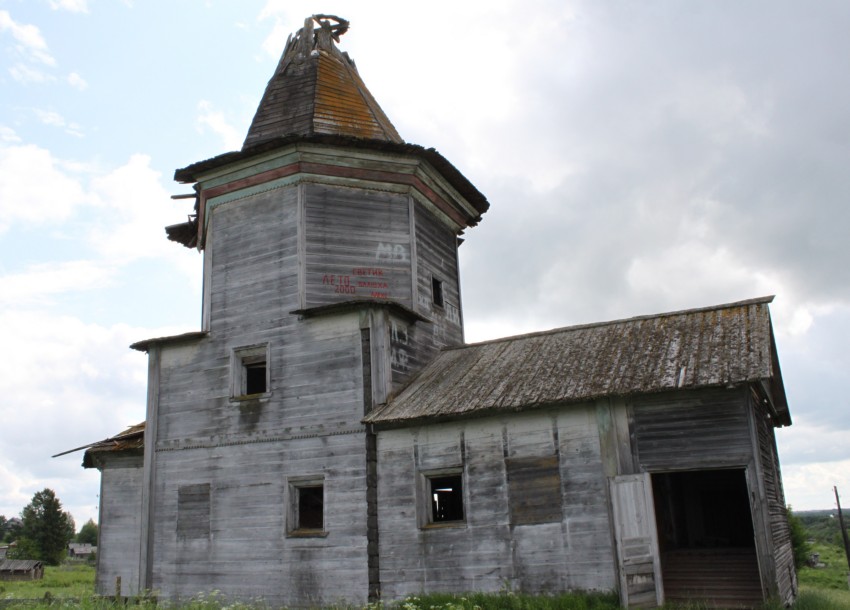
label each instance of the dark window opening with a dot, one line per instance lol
(446, 498)
(311, 514)
(437, 291)
(255, 378)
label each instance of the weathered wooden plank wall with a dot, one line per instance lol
(120, 525)
(358, 246)
(777, 518)
(693, 430)
(246, 450)
(490, 550)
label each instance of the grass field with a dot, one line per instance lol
(821, 589)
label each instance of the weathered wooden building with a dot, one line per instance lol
(327, 435)
(21, 569)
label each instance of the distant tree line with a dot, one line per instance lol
(44, 530)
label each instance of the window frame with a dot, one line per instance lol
(243, 358)
(438, 292)
(426, 512)
(293, 517)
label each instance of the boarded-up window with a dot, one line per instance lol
(534, 490)
(193, 511)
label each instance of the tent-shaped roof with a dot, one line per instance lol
(715, 346)
(316, 90)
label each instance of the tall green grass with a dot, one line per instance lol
(70, 587)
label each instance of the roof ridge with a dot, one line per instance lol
(667, 314)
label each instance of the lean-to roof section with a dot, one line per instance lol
(724, 345)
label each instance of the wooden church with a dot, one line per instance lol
(327, 436)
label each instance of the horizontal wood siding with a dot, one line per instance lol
(254, 272)
(245, 450)
(488, 551)
(774, 502)
(415, 345)
(693, 430)
(357, 246)
(120, 514)
(248, 553)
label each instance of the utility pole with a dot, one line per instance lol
(843, 533)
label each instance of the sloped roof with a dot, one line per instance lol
(19, 565)
(131, 439)
(714, 346)
(316, 89)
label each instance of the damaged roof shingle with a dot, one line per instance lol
(716, 346)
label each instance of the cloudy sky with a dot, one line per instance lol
(639, 157)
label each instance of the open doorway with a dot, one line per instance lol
(706, 537)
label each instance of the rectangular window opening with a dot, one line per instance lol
(307, 507)
(311, 514)
(255, 378)
(445, 498)
(437, 291)
(250, 371)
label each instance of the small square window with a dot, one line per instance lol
(437, 292)
(443, 501)
(250, 371)
(307, 507)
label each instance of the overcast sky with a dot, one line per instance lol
(639, 157)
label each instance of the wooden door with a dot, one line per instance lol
(638, 557)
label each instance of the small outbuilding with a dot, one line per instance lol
(21, 569)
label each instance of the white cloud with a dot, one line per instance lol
(215, 120)
(809, 486)
(30, 41)
(8, 135)
(77, 81)
(39, 282)
(81, 383)
(33, 189)
(25, 74)
(74, 6)
(54, 119)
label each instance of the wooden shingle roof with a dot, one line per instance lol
(316, 89)
(716, 346)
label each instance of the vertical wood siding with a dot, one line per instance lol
(357, 246)
(489, 551)
(120, 525)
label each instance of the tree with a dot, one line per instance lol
(88, 533)
(799, 539)
(47, 527)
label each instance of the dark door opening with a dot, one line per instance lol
(706, 538)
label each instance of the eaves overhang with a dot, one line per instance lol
(196, 171)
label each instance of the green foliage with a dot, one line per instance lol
(88, 533)
(73, 580)
(809, 599)
(834, 573)
(512, 601)
(822, 525)
(24, 549)
(799, 537)
(47, 526)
